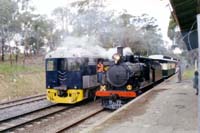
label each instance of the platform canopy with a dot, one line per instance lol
(184, 12)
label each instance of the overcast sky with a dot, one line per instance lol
(155, 8)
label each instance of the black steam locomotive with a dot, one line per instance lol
(129, 76)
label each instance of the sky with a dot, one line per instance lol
(155, 8)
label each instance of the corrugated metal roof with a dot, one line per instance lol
(185, 11)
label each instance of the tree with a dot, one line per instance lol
(63, 15)
(90, 18)
(8, 12)
(175, 35)
(151, 34)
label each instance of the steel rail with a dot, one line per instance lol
(79, 120)
(14, 126)
(12, 104)
(26, 113)
(22, 99)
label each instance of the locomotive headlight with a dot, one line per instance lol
(129, 87)
(116, 57)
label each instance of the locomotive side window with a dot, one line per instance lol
(64, 65)
(50, 65)
(74, 65)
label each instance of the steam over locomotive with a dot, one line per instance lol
(129, 76)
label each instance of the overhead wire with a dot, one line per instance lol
(191, 31)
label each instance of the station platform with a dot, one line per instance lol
(170, 107)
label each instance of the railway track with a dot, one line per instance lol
(72, 119)
(78, 120)
(57, 118)
(53, 118)
(26, 100)
(12, 123)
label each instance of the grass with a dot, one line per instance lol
(18, 80)
(7, 68)
(21, 85)
(188, 73)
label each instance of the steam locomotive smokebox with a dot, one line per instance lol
(118, 75)
(120, 50)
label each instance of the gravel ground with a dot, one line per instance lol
(88, 123)
(21, 109)
(53, 123)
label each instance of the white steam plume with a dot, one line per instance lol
(84, 47)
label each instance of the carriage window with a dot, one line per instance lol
(74, 65)
(164, 66)
(50, 65)
(156, 65)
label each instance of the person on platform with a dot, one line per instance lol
(195, 82)
(179, 72)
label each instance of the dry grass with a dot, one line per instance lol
(21, 85)
(188, 74)
(18, 81)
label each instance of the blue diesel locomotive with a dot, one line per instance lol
(70, 79)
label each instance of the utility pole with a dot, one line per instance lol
(2, 49)
(198, 30)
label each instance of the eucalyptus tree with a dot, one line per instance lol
(35, 28)
(63, 17)
(112, 28)
(8, 12)
(177, 42)
(151, 32)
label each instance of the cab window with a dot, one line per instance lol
(50, 65)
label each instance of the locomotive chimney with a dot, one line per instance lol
(120, 50)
